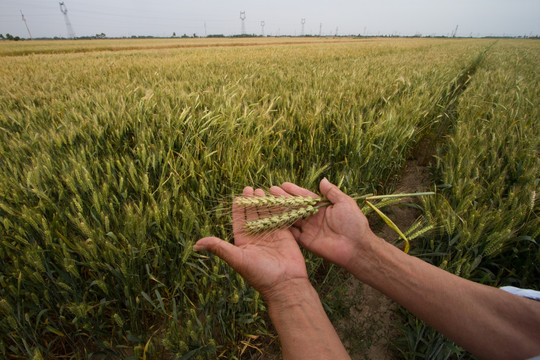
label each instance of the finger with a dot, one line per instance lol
(248, 191)
(225, 250)
(296, 190)
(332, 192)
(277, 191)
(299, 223)
(259, 192)
(306, 242)
(296, 232)
(302, 239)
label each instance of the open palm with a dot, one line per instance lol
(266, 261)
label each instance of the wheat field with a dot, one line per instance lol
(116, 155)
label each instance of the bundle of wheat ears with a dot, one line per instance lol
(278, 212)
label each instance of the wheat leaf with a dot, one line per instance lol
(392, 225)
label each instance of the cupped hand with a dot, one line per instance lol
(267, 261)
(339, 233)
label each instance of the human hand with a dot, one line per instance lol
(339, 233)
(270, 263)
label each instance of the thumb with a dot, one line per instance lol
(225, 250)
(332, 192)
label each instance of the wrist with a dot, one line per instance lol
(369, 257)
(301, 322)
(289, 293)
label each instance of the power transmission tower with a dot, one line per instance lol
(205, 32)
(243, 18)
(63, 9)
(23, 19)
(262, 28)
(337, 30)
(455, 31)
(303, 22)
(320, 29)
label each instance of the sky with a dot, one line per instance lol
(119, 18)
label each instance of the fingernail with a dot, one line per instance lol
(198, 247)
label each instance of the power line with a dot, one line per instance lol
(127, 16)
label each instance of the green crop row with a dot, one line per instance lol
(487, 171)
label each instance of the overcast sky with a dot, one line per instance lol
(371, 17)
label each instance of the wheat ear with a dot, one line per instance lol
(270, 200)
(279, 221)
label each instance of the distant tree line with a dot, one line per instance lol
(9, 37)
(103, 36)
(17, 38)
(97, 36)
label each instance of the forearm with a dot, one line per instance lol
(486, 321)
(303, 327)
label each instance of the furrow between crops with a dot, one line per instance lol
(443, 114)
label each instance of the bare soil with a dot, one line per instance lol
(368, 331)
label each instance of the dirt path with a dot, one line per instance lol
(368, 330)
